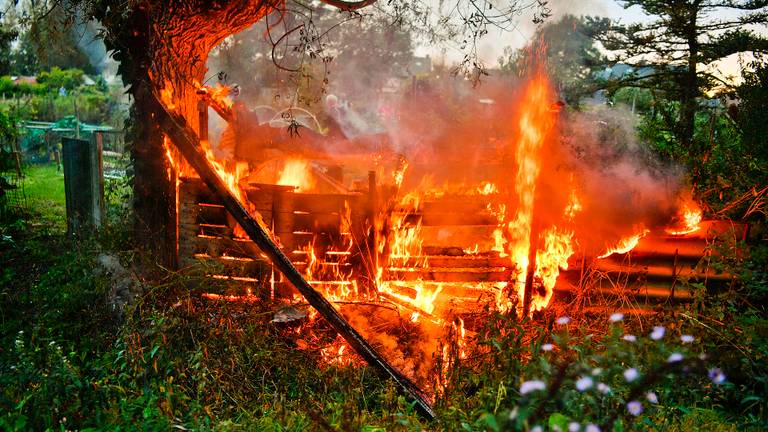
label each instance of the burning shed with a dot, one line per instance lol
(484, 208)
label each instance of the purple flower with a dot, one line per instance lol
(603, 388)
(531, 386)
(687, 339)
(634, 407)
(675, 358)
(592, 428)
(631, 374)
(658, 332)
(563, 320)
(652, 398)
(537, 429)
(629, 338)
(573, 427)
(584, 383)
(616, 317)
(547, 347)
(717, 376)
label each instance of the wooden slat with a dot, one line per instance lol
(450, 275)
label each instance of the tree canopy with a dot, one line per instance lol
(676, 45)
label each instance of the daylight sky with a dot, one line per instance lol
(493, 45)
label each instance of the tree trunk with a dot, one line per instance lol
(690, 89)
(168, 45)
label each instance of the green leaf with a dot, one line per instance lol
(490, 421)
(558, 420)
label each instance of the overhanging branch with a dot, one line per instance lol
(348, 5)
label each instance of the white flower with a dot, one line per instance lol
(573, 427)
(716, 375)
(687, 339)
(658, 332)
(603, 388)
(531, 386)
(537, 429)
(629, 337)
(634, 407)
(592, 428)
(674, 358)
(563, 320)
(513, 413)
(652, 398)
(596, 371)
(631, 374)
(616, 317)
(584, 383)
(547, 347)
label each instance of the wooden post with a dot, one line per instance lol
(529, 272)
(186, 140)
(17, 156)
(99, 137)
(83, 185)
(283, 202)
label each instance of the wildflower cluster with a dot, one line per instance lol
(614, 383)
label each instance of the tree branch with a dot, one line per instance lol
(348, 6)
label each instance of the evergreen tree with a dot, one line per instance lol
(674, 47)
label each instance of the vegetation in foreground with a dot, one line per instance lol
(68, 362)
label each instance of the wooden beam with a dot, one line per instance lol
(188, 143)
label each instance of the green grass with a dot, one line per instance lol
(44, 188)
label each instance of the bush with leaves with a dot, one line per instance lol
(57, 78)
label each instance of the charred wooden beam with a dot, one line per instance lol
(188, 143)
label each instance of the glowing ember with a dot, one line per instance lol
(424, 299)
(247, 298)
(336, 353)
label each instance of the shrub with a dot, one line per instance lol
(57, 78)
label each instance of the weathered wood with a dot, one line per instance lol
(185, 139)
(83, 185)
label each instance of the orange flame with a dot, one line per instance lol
(297, 173)
(690, 215)
(535, 123)
(626, 244)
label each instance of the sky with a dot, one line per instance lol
(492, 46)
(494, 43)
